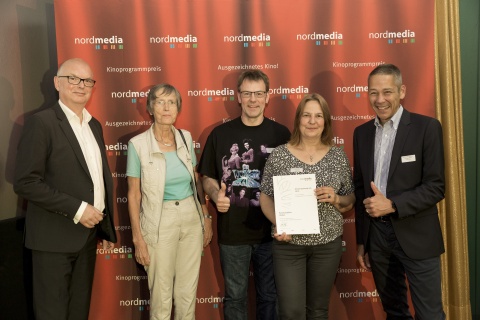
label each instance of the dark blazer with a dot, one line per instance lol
(414, 186)
(51, 173)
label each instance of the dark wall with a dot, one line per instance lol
(28, 62)
(15, 272)
(470, 46)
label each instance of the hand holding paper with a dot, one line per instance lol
(296, 209)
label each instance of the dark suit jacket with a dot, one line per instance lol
(51, 173)
(414, 186)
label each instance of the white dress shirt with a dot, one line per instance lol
(92, 155)
(384, 141)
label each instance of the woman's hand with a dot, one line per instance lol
(341, 203)
(281, 237)
(327, 194)
(208, 232)
(141, 252)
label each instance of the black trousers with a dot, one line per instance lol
(390, 267)
(62, 282)
(304, 276)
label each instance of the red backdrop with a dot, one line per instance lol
(200, 46)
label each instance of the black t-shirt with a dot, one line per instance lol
(236, 154)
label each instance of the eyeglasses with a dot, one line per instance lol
(248, 94)
(162, 103)
(76, 80)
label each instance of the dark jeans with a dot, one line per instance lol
(235, 261)
(390, 265)
(304, 276)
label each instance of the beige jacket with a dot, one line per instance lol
(152, 182)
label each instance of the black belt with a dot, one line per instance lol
(384, 219)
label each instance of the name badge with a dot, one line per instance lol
(296, 170)
(410, 158)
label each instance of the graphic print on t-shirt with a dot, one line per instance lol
(235, 154)
(242, 175)
(241, 172)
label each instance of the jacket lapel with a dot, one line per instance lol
(72, 139)
(400, 139)
(98, 137)
(370, 151)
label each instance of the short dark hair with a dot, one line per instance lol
(253, 75)
(388, 69)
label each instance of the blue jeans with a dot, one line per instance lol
(235, 261)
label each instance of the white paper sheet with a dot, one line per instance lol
(295, 204)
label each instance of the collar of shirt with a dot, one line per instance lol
(395, 119)
(71, 115)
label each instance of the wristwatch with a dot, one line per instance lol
(207, 216)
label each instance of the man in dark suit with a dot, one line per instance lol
(399, 179)
(62, 171)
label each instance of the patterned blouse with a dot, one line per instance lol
(332, 170)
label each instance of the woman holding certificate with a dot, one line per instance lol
(305, 265)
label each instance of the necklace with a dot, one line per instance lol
(310, 155)
(322, 150)
(165, 144)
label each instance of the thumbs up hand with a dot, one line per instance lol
(223, 190)
(223, 202)
(378, 205)
(375, 189)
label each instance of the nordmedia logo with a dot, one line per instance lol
(122, 252)
(322, 39)
(258, 40)
(338, 141)
(182, 42)
(142, 304)
(214, 95)
(358, 90)
(361, 296)
(394, 37)
(133, 96)
(290, 93)
(102, 43)
(214, 301)
(119, 149)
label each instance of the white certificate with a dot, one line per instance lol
(295, 204)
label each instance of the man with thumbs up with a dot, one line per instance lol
(399, 179)
(243, 231)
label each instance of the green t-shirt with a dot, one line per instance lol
(177, 179)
